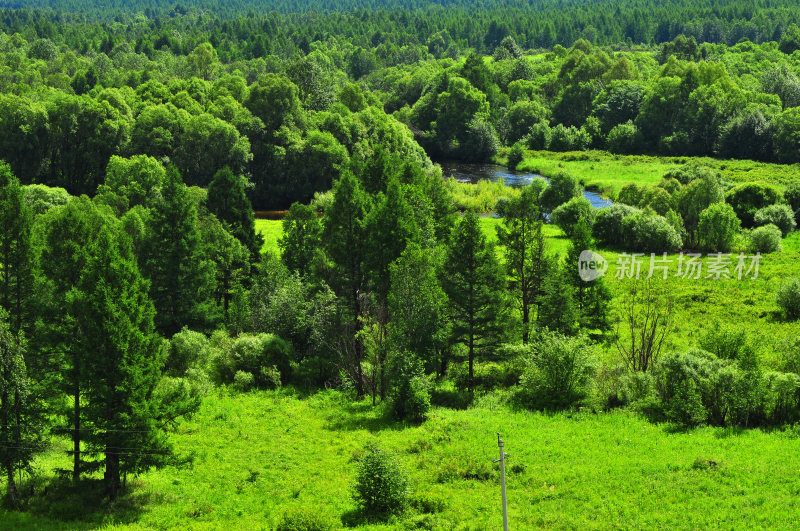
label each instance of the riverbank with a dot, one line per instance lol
(606, 173)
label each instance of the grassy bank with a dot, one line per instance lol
(608, 172)
(263, 454)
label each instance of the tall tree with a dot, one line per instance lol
(228, 201)
(475, 284)
(123, 359)
(16, 269)
(526, 264)
(344, 235)
(180, 277)
(19, 428)
(300, 240)
(61, 256)
(592, 298)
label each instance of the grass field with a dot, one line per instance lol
(748, 303)
(608, 172)
(271, 230)
(261, 454)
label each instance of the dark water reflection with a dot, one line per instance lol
(472, 173)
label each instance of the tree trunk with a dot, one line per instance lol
(13, 494)
(112, 473)
(471, 361)
(76, 434)
(525, 321)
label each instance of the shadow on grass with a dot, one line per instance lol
(60, 504)
(363, 416)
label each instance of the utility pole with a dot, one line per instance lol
(502, 461)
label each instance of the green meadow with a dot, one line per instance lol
(608, 172)
(261, 455)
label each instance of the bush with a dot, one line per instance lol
(624, 138)
(650, 233)
(782, 398)
(539, 136)
(781, 216)
(305, 519)
(261, 355)
(411, 398)
(766, 239)
(607, 227)
(568, 139)
(515, 156)
(792, 196)
(559, 372)
(381, 486)
(570, 213)
(243, 381)
(789, 299)
(749, 198)
(185, 350)
(563, 187)
(718, 227)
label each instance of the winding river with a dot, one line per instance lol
(472, 173)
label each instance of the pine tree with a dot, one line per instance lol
(300, 240)
(67, 234)
(19, 422)
(475, 284)
(557, 310)
(521, 234)
(123, 360)
(228, 201)
(16, 268)
(181, 279)
(592, 298)
(343, 235)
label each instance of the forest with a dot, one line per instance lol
(229, 230)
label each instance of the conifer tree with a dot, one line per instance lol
(475, 286)
(16, 268)
(228, 201)
(592, 298)
(181, 278)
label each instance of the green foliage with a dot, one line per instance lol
(788, 299)
(515, 156)
(300, 240)
(227, 200)
(381, 485)
(411, 397)
(765, 239)
(648, 232)
(780, 216)
(718, 228)
(749, 198)
(607, 228)
(305, 519)
(558, 372)
(563, 187)
(576, 210)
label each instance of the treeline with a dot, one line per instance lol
(478, 25)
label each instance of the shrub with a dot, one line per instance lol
(765, 239)
(630, 194)
(254, 354)
(607, 227)
(243, 381)
(573, 211)
(539, 136)
(792, 196)
(718, 227)
(648, 232)
(624, 138)
(411, 398)
(568, 139)
(558, 373)
(726, 342)
(677, 382)
(789, 355)
(515, 156)
(783, 397)
(305, 519)
(186, 349)
(658, 200)
(789, 299)
(749, 198)
(381, 486)
(563, 187)
(781, 216)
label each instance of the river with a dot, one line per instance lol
(472, 173)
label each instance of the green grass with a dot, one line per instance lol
(271, 230)
(608, 172)
(260, 454)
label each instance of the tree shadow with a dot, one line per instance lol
(363, 416)
(82, 505)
